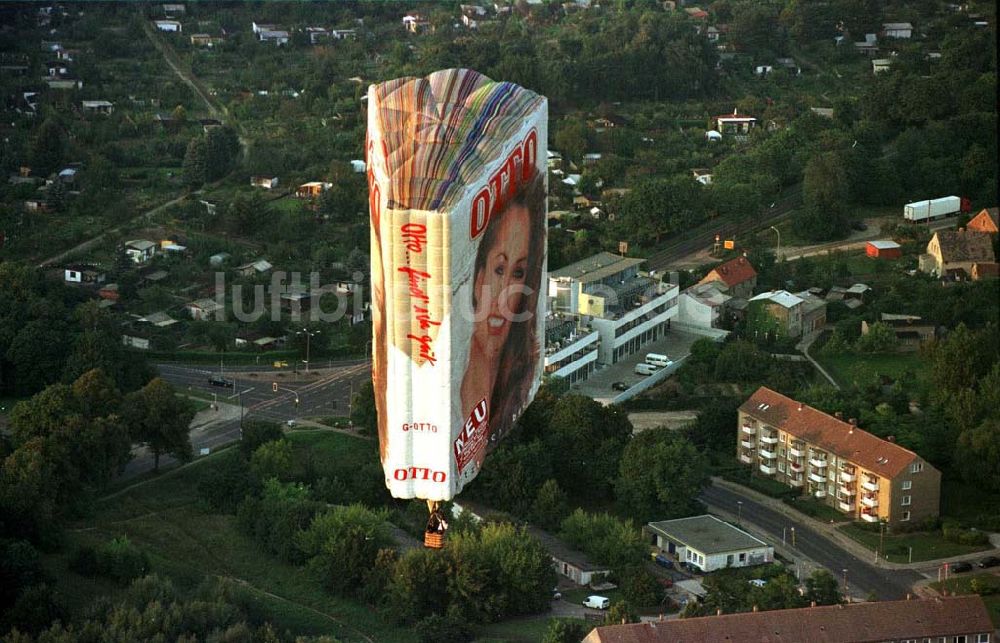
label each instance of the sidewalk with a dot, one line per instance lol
(804, 345)
(844, 541)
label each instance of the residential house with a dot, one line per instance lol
(570, 348)
(737, 275)
(628, 309)
(358, 166)
(133, 340)
(951, 619)
(159, 319)
(173, 9)
(880, 65)
(206, 40)
(911, 331)
(883, 249)
(869, 46)
(712, 33)
(258, 267)
(171, 26)
(708, 543)
(63, 82)
(702, 175)
(83, 274)
(204, 309)
(702, 305)
(776, 312)
(986, 221)
(734, 124)
(266, 182)
(97, 107)
(416, 23)
(952, 253)
(473, 16)
(312, 189)
(813, 312)
(853, 471)
(277, 36)
(140, 250)
(985, 271)
(902, 30)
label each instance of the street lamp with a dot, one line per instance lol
(846, 588)
(739, 513)
(793, 536)
(777, 251)
(308, 334)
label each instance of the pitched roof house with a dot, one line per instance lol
(950, 253)
(986, 221)
(737, 274)
(951, 618)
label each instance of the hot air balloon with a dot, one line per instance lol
(457, 200)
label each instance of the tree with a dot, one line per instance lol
(417, 570)
(196, 163)
(49, 148)
(589, 438)
(550, 506)
(277, 518)
(660, 476)
(565, 631)
(342, 544)
(978, 454)
(272, 460)
(222, 147)
(880, 338)
(621, 613)
(363, 412)
(823, 588)
(571, 139)
(256, 433)
(160, 419)
(825, 193)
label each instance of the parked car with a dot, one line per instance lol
(556, 594)
(663, 561)
(619, 386)
(989, 561)
(959, 567)
(861, 226)
(597, 602)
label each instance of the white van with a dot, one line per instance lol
(645, 369)
(658, 360)
(597, 602)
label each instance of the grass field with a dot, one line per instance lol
(987, 582)
(163, 516)
(860, 368)
(926, 545)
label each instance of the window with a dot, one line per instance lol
(781, 466)
(982, 638)
(907, 484)
(906, 516)
(916, 467)
(958, 639)
(907, 500)
(743, 557)
(781, 452)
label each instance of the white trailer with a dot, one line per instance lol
(932, 209)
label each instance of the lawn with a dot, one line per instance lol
(862, 368)
(969, 504)
(963, 585)
(163, 516)
(817, 510)
(525, 630)
(926, 545)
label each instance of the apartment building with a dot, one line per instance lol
(570, 348)
(855, 472)
(608, 293)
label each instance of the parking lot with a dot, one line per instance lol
(675, 344)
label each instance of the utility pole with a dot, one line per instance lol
(739, 512)
(777, 251)
(847, 594)
(308, 334)
(793, 536)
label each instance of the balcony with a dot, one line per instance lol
(869, 501)
(819, 463)
(818, 478)
(870, 484)
(748, 444)
(796, 482)
(749, 429)
(847, 476)
(845, 506)
(769, 438)
(795, 466)
(770, 455)
(746, 459)
(797, 449)
(767, 469)
(819, 493)
(867, 517)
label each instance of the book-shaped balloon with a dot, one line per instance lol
(457, 198)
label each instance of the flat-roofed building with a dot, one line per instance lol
(850, 469)
(627, 308)
(953, 619)
(708, 543)
(570, 348)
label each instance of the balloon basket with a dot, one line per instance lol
(433, 541)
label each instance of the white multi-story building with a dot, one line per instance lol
(570, 349)
(628, 309)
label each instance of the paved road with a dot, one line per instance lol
(328, 394)
(861, 575)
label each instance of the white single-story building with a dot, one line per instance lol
(169, 25)
(708, 543)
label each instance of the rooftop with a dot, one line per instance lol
(783, 298)
(707, 534)
(595, 268)
(854, 623)
(960, 245)
(840, 438)
(732, 273)
(883, 244)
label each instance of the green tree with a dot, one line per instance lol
(825, 193)
(48, 150)
(978, 454)
(363, 412)
(823, 588)
(256, 433)
(409, 599)
(641, 588)
(621, 612)
(342, 545)
(160, 419)
(550, 506)
(589, 438)
(571, 139)
(660, 476)
(222, 147)
(880, 338)
(277, 518)
(565, 631)
(196, 163)
(272, 460)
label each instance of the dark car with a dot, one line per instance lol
(958, 568)
(861, 226)
(619, 386)
(989, 561)
(663, 561)
(217, 380)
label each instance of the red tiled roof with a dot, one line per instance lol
(985, 221)
(852, 623)
(732, 273)
(843, 439)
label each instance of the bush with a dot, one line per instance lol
(118, 560)
(443, 629)
(222, 488)
(255, 433)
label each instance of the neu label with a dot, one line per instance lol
(419, 473)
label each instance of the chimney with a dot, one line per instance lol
(812, 603)
(839, 415)
(853, 421)
(890, 438)
(755, 608)
(800, 406)
(718, 611)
